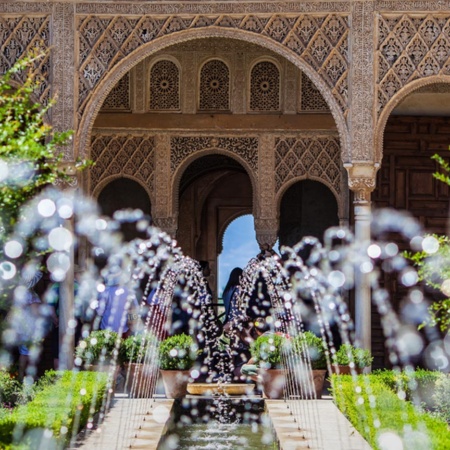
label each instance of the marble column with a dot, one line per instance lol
(362, 182)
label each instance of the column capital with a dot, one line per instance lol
(266, 232)
(362, 180)
(167, 224)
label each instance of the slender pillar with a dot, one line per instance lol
(362, 183)
(265, 212)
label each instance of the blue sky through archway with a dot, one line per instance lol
(239, 246)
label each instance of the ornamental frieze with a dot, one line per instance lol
(308, 156)
(410, 47)
(127, 155)
(183, 146)
(21, 35)
(321, 40)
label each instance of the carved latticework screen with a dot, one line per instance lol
(311, 98)
(265, 87)
(20, 35)
(119, 97)
(410, 47)
(165, 86)
(214, 86)
(123, 155)
(308, 157)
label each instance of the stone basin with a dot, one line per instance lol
(220, 388)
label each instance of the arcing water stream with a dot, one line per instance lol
(303, 289)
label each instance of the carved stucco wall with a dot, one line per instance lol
(110, 46)
(413, 50)
(100, 42)
(122, 155)
(159, 81)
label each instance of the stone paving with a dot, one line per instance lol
(139, 424)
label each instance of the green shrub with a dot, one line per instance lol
(177, 352)
(309, 346)
(266, 350)
(134, 348)
(417, 384)
(441, 397)
(348, 354)
(9, 389)
(98, 347)
(374, 409)
(62, 407)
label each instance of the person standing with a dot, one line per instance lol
(117, 306)
(231, 292)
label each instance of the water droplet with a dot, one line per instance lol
(60, 239)
(13, 249)
(390, 441)
(430, 245)
(46, 207)
(7, 270)
(374, 251)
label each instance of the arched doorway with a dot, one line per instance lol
(307, 208)
(123, 193)
(213, 190)
(415, 130)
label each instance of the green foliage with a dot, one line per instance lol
(434, 270)
(177, 352)
(441, 397)
(99, 347)
(56, 407)
(374, 409)
(445, 166)
(348, 354)
(307, 345)
(266, 350)
(9, 389)
(134, 348)
(30, 156)
(27, 143)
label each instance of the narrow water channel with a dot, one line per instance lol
(219, 424)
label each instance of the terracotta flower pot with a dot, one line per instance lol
(307, 384)
(272, 381)
(175, 382)
(140, 380)
(345, 370)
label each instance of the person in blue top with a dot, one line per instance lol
(117, 305)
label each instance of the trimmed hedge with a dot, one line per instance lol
(375, 411)
(56, 408)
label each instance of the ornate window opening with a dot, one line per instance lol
(214, 86)
(119, 97)
(265, 87)
(165, 86)
(311, 98)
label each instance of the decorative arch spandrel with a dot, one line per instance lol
(122, 155)
(98, 81)
(412, 51)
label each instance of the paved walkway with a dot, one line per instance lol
(324, 427)
(130, 423)
(139, 424)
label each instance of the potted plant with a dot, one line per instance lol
(98, 353)
(349, 357)
(138, 354)
(266, 352)
(177, 355)
(310, 364)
